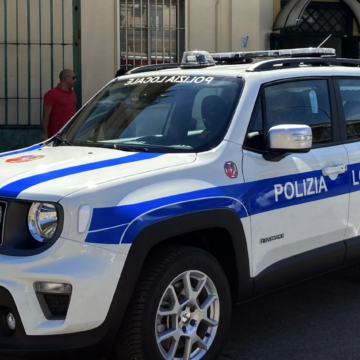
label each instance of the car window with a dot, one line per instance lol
(255, 135)
(300, 103)
(227, 94)
(350, 96)
(294, 103)
(159, 114)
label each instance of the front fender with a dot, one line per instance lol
(163, 230)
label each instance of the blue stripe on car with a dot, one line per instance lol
(179, 209)
(160, 213)
(108, 236)
(354, 174)
(113, 216)
(262, 194)
(15, 188)
(257, 197)
(35, 147)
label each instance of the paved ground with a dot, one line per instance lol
(318, 319)
(315, 320)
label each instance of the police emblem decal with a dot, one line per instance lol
(231, 170)
(25, 158)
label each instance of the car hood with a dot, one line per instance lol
(49, 173)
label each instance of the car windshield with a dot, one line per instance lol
(158, 114)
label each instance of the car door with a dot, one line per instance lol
(348, 96)
(299, 204)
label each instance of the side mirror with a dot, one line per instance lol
(288, 139)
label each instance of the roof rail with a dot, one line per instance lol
(294, 63)
(154, 67)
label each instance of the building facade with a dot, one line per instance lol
(96, 38)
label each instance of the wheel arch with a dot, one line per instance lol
(200, 229)
(173, 230)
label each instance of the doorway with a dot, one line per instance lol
(319, 20)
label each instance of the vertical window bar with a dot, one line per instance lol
(17, 63)
(178, 31)
(170, 49)
(141, 32)
(29, 62)
(5, 60)
(149, 33)
(186, 25)
(40, 52)
(76, 14)
(156, 31)
(119, 35)
(163, 32)
(126, 33)
(63, 34)
(52, 43)
(133, 30)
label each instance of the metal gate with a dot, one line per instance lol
(151, 32)
(319, 20)
(38, 39)
(324, 19)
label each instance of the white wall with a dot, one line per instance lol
(201, 23)
(237, 18)
(266, 22)
(98, 45)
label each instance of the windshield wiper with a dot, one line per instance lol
(62, 140)
(125, 148)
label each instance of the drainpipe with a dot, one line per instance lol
(217, 25)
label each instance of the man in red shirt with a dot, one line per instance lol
(59, 105)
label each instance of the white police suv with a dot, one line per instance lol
(172, 195)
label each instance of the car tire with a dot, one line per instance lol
(175, 311)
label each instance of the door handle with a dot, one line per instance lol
(334, 170)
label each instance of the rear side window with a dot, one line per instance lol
(292, 103)
(350, 96)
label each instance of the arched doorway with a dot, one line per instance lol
(318, 21)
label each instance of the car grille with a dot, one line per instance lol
(3, 206)
(58, 304)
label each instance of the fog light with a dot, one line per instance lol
(54, 299)
(52, 288)
(10, 321)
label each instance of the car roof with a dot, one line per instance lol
(241, 70)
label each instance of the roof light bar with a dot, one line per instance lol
(196, 59)
(304, 52)
(278, 64)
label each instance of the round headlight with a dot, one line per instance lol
(42, 221)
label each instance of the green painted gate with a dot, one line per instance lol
(38, 39)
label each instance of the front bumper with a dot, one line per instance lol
(90, 345)
(94, 275)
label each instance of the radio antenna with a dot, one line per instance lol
(325, 41)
